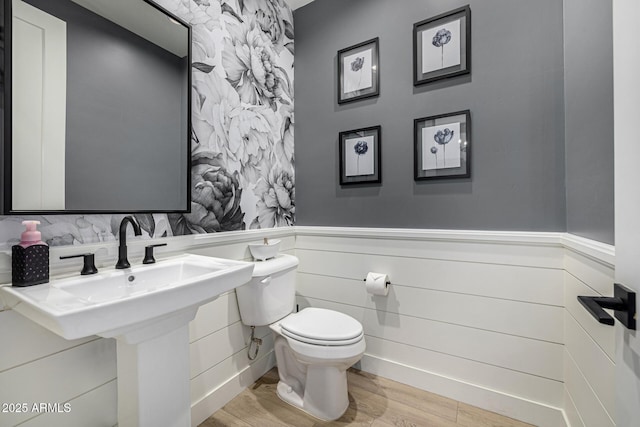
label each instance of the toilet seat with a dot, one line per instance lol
(321, 342)
(319, 326)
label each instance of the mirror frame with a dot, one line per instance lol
(6, 135)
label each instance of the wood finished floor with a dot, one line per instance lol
(373, 401)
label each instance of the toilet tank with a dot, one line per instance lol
(270, 294)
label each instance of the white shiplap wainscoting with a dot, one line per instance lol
(487, 318)
(37, 366)
(589, 346)
(476, 316)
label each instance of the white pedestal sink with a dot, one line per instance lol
(147, 309)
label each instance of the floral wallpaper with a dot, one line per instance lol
(242, 158)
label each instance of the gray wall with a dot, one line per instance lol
(588, 63)
(515, 94)
(124, 116)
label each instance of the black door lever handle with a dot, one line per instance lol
(623, 303)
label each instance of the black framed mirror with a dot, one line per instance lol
(96, 107)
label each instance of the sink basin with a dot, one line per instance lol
(110, 302)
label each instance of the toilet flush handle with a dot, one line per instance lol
(266, 280)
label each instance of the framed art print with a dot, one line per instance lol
(358, 72)
(360, 156)
(442, 46)
(442, 146)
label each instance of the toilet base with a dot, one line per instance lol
(313, 377)
(326, 400)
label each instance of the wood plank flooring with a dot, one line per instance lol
(373, 401)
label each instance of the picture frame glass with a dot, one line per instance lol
(442, 47)
(435, 140)
(358, 72)
(360, 156)
(442, 146)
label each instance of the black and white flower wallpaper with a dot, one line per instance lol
(242, 159)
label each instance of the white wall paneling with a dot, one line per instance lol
(57, 378)
(507, 282)
(490, 319)
(94, 408)
(598, 332)
(416, 298)
(589, 367)
(458, 369)
(511, 352)
(596, 367)
(24, 341)
(527, 249)
(572, 417)
(482, 317)
(216, 347)
(586, 402)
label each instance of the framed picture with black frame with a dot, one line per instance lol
(442, 46)
(442, 146)
(359, 71)
(360, 156)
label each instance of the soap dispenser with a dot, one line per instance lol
(30, 259)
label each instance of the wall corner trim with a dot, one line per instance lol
(597, 251)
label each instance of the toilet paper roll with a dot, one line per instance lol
(377, 283)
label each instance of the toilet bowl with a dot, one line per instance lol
(314, 347)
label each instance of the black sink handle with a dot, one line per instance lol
(89, 263)
(148, 253)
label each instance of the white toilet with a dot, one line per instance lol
(313, 347)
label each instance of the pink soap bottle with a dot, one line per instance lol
(30, 258)
(31, 236)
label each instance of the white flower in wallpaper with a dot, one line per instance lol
(275, 19)
(214, 103)
(276, 207)
(242, 119)
(203, 52)
(284, 145)
(197, 12)
(252, 142)
(243, 137)
(252, 67)
(215, 199)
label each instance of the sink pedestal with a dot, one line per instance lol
(153, 374)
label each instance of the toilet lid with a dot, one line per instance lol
(321, 326)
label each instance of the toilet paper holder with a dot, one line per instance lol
(388, 282)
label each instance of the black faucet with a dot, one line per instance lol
(123, 262)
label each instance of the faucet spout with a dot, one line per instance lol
(123, 262)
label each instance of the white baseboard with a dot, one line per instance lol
(511, 406)
(225, 392)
